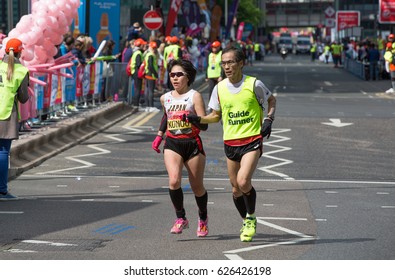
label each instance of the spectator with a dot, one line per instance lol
(14, 81)
(373, 58)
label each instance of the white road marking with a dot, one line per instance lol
(331, 206)
(336, 123)
(114, 187)
(280, 149)
(331, 192)
(382, 193)
(232, 254)
(20, 251)
(327, 83)
(49, 243)
(11, 212)
(62, 186)
(388, 207)
(227, 180)
(85, 164)
(268, 205)
(147, 200)
(283, 218)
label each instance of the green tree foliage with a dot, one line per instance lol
(247, 11)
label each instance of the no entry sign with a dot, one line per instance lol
(152, 20)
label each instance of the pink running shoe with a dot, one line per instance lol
(202, 229)
(179, 225)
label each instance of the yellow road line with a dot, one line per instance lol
(141, 119)
(146, 119)
(385, 95)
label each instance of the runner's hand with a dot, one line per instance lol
(266, 129)
(156, 143)
(195, 120)
(191, 118)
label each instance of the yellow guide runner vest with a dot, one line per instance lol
(241, 112)
(155, 64)
(133, 60)
(213, 67)
(8, 89)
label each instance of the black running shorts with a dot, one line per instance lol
(187, 148)
(235, 153)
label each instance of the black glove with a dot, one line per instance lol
(195, 120)
(266, 128)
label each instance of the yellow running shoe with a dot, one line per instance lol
(248, 230)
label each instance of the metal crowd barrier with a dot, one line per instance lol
(117, 83)
(356, 67)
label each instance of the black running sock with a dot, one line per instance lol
(240, 205)
(250, 200)
(177, 198)
(202, 205)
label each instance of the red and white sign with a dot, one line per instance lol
(330, 22)
(329, 12)
(152, 20)
(387, 11)
(347, 19)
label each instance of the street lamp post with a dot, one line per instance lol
(10, 15)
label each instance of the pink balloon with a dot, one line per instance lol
(51, 21)
(48, 33)
(58, 39)
(14, 33)
(24, 37)
(47, 44)
(40, 8)
(41, 23)
(40, 54)
(40, 14)
(27, 54)
(53, 9)
(40, 39)
(61, 18)
(64, 30)
(52, 51)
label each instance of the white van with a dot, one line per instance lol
(285, 42)
(303, 44)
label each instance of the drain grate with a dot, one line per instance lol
(19, 245)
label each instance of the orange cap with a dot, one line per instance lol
(139, 42)
(168, 38)
(391, 36)
(153, 45)
(216, 44)
(15, 45)
(174, 39)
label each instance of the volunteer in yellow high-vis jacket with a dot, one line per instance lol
(14, 82)
(214, 70)
(239, 100)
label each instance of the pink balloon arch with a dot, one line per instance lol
(43, 29)
(40, 32)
